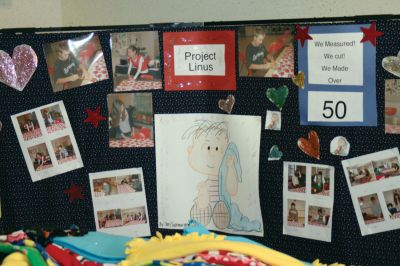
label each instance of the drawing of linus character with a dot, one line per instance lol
(213, 155)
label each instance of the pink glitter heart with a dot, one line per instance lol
(18, 70)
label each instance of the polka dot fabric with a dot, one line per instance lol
(43, 203)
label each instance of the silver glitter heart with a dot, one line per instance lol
(18, 70)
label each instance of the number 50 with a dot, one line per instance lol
(339, 112)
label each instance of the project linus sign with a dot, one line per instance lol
(340, 83)
(200, 60)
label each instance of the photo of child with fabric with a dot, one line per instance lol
(266, 51)
(75, 62)
(130, 120)
(136, 61)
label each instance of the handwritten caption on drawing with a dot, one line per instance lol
(199, 60)
(335, 59)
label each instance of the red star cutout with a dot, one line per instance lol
(302, 34)
(74, 192)
(370, 33)
(94, 117)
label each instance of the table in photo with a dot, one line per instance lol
(113, 223)
(32, 134)
(99, 194)
(360, 179)
(125, 188)
(388, 172)
(97, 71)
(135, 222)
(285, 65)
(392, 129)
(138, 85)
(68, 159)
(56, 127)
(43, 167)
(131, 143)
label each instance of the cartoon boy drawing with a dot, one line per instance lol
(212, 154)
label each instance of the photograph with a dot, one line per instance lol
(392, 106)
(386, 168)
(340, 146)
(318, 216)
(105, 186)
(40, 157)
(129, 183)
(320, 179)
(75, 62)
(266, 51)
(29, 126)
(296, 213)
(361, 173)
(371, 209)
(136, 61)
(53, 118)
(126, 205)
(130, 117)
(297, 178)
(109, 218)
(273, 120)
(64, 150)
(134, 216)
(392, 200)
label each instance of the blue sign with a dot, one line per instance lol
(340, 77)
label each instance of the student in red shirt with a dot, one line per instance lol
(137, 61)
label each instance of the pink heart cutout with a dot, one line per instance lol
(18, 70)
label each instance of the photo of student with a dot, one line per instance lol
(392, 106)
(130, 120)
(29, 126)
(134, 216)
(136, 61)
(128, 184)
(297, 178)
(320, 178)
(296, 213)
(340, 146)
(273, 120)
(361, 174)
(63, 149)
(318, 216)
(266, 51)
(392, 200)
(386, 168)
(105, 186)
(371, 209)
(76, 62)
(40, 157)
(109, 218)
(53, 118)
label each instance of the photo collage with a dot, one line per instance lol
(308, 200)
(374, 183)
(119, 202)
(47, 141)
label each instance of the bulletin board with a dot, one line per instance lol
(27, 204)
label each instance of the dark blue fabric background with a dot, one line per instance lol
(43, 203)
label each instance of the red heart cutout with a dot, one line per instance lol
(310, 146)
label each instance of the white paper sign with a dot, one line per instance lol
(199, 60)
(207, 170)
(335, 59)
(119, 202)
(374, 184)
(335, 106)
(47, 141)
(308, 195)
